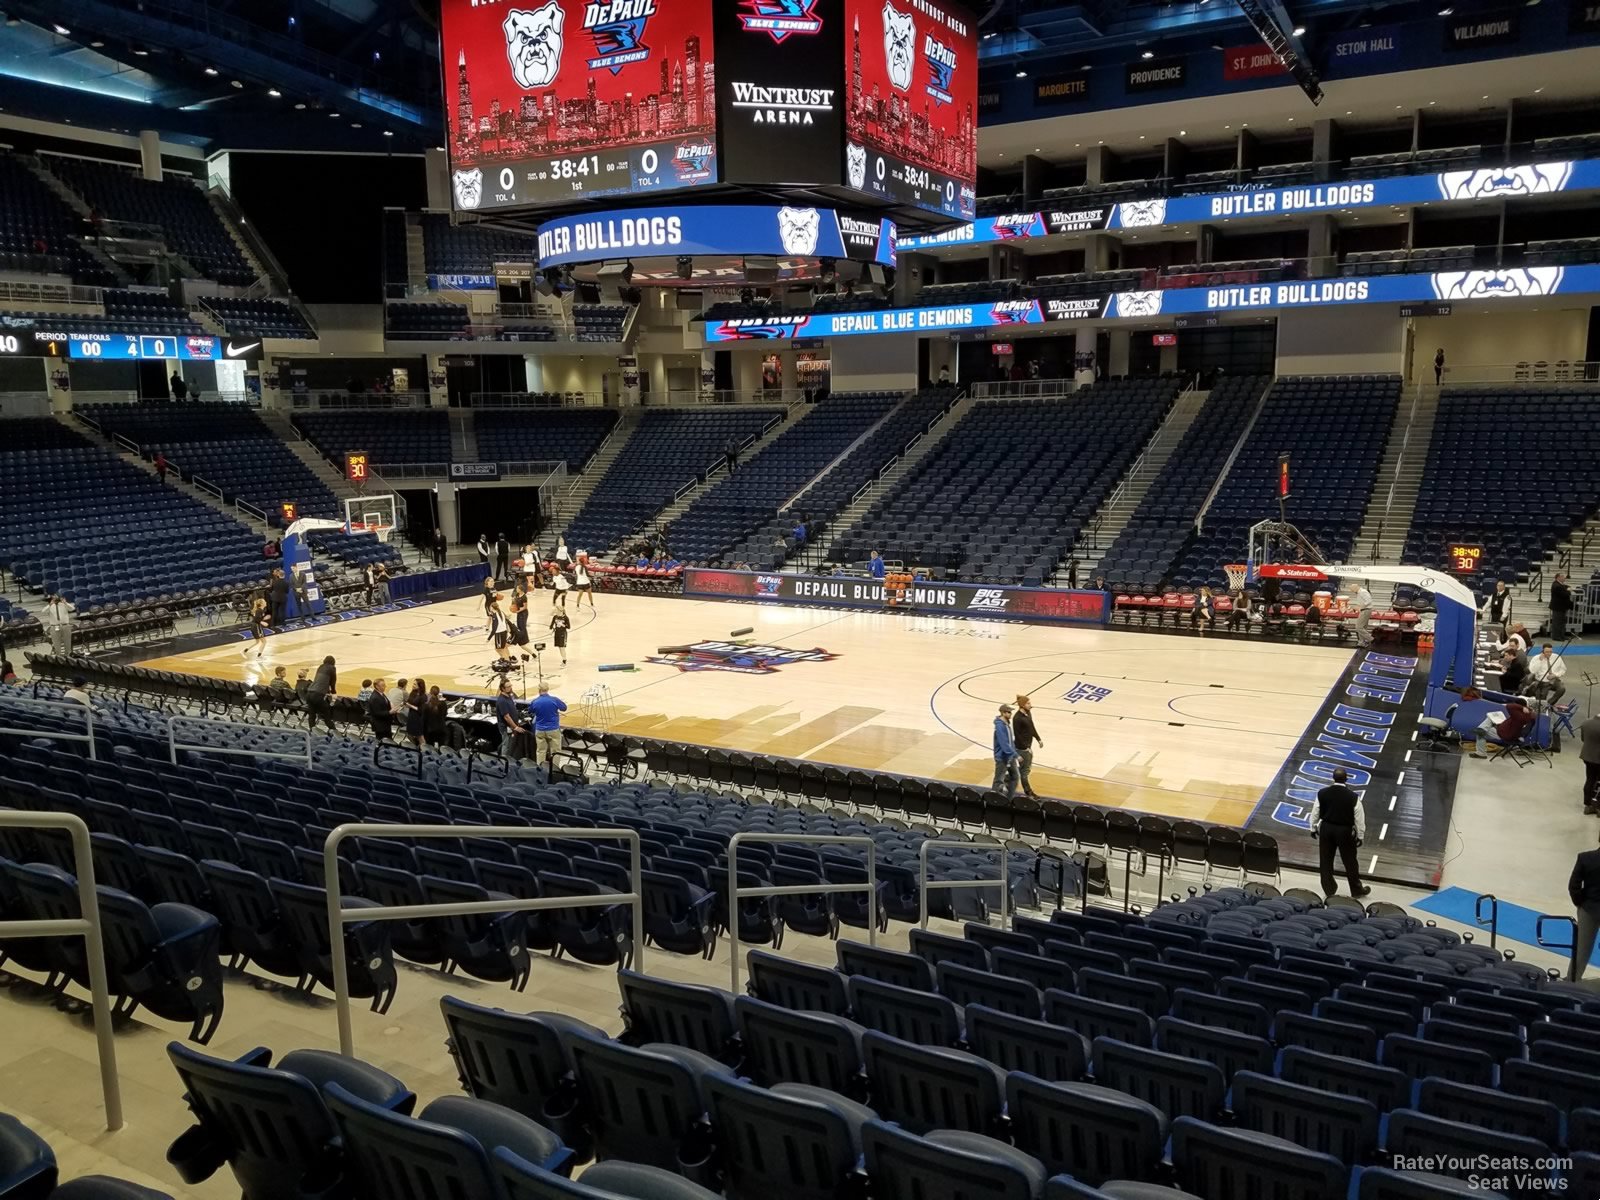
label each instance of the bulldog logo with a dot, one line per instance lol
(797, 229)
(899, 39)
(855, 158)
(533, 44)
(468, 187)
(1537, 180)
(1495, 285)
(1139, 304)
(1136, 214)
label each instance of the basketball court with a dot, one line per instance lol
(1181, 726)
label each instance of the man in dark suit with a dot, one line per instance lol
(1560, 606)
(320, 693)
(1584, 889)
(278, 597)
(1589, 734)
(502, 558)
(1338, 822)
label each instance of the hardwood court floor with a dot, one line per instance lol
(1175, 725)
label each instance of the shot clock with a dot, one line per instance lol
(1465, 560)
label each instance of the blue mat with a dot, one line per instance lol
(1458, 904)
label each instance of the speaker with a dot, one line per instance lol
(618, 273)
(761, 272)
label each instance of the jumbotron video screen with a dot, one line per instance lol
(911, 125)
(573, 99)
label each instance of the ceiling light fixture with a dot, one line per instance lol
(300, 106)
(1148, 54)
(1299, 31)
(355, 124)
(274, 92)
(1022, 73)
(62, 30)
(142, 52)
(1447, 11)
(388, 133)
(211, 70)
(238, 83)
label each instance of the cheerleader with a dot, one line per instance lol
(260, 618)
(563, 556)
(562, 586)
(559, 624)
(582, 582)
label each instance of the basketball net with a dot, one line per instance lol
(1236, 575)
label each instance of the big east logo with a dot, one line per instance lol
(779, 18)
(941, 66)
(618, 32)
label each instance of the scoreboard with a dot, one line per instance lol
(1465, 560)
(46, 343)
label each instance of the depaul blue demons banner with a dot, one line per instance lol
(1480, 183)
(792, 230)
(1445, 286)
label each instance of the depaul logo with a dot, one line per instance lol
(694, 161)
(941, 66)
(738, 658)
(769, 585)
(1014, 312)
(742, 329)
(618, 32)
(1011, 226)
(780, 18)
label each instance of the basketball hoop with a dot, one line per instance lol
(1236, 575)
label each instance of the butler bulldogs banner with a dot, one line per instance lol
(1480, 183)
(1448, 286)
(792, 231)
(1055, 605)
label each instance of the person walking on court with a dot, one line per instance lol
(1024, 736)
(546, 710)
(1589, 754)
(259, 619)
(502, 557)
(1338, 822)
(1363, 603)
(1005, 753)
(319, 695)
(1560, 606)
(560, 623)
(1584, 889)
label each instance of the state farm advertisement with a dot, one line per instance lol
(571, 99)
(911, 124)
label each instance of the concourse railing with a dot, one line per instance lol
(339, 916)
(86, 926)
(737, 893)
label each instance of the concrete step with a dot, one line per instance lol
(1393, 502)
(581, 488)
(719, 472)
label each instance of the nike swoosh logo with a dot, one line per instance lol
(237, 351)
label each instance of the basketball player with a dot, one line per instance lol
(562, 586)
(500, 632)
(582, 582)
(259, 618)
(560, 623)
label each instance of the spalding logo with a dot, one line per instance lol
(533, 44)
(468, 187)
(797, 229)
(899, 43)
(855, 158)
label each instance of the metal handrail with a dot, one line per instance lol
(1493, 923)
(71, 706)
(1399, 464)
(1233, 455)
(87, 926)
(173, 745)
(736, 893)
(924, 883)
(1571, 946)
(339, 916)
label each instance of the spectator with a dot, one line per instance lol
(1005, 753)
(502, 557)
(1518, 719)
(302, 685)
(1203, 615)
(1072, 573)
(441, 547)
(730, 453)
(1339, 822)
(1546, 670)
(1560, 606)
(79, 691)
(875, 566)
(1438, 366)
(1024, 736)
(278, 597)
(397, 698)
(505, 708)
(1363, 607)
(319, 696)
(96, 223)
(380, 577)
(8, 673)
(1589, 755)
(1100, 584)
(40, 246)
(1241, 612)
(416, 713)
(161, 467)
(281, 694)
(546, 710)
(365, 693)
(177, 386)
(379, 714)
(436, 717)
(944, 376)
(1584, 888)
(1497, 610)
(483, 550)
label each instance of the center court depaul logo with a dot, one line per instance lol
(738, 659)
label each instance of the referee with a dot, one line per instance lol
(1338, 822)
